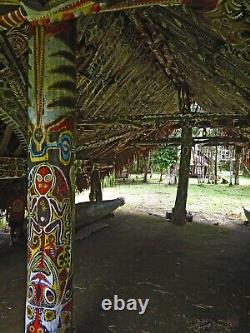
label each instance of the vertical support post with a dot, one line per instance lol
(179, 210)
(216, 166)
(95, 186)
(145, 169)
(231, 165)
(238, 151)
(137, 162)
(92, 194)
(51, 183)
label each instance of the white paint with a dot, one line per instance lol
(143, 305)
(106, 304)
(119, 304)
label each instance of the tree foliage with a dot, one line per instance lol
(163, 157)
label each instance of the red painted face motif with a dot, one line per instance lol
(44, 179)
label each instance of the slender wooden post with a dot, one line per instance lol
(216, 166)
(231, 165)
(179, 210)
(238, 151)
(52, 99)
(92, 194)
(137, 163)
(145, 169)
(95, 186)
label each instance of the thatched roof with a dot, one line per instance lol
(132, 67)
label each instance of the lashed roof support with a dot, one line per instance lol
(52, 95)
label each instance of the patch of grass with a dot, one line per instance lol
(218, 203)
(219, 198)
(204, 231)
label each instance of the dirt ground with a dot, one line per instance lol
(197, 277)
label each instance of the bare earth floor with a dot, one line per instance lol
(197, 277)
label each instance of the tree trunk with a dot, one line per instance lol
(238, 151)
(179, 210)
(161, 176)
(51, 207)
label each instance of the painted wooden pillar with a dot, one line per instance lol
(52, 100)
(238, 152)
(179, 210)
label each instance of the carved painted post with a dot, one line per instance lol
(52, 98)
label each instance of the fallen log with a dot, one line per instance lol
(247, 213)
(88, 230)
(89, 212)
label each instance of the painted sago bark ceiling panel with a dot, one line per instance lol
(132, 65)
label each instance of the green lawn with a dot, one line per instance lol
(205, 199)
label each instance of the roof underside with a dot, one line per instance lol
(130, 67)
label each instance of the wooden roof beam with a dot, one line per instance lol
(214, 141)
(196, 120)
